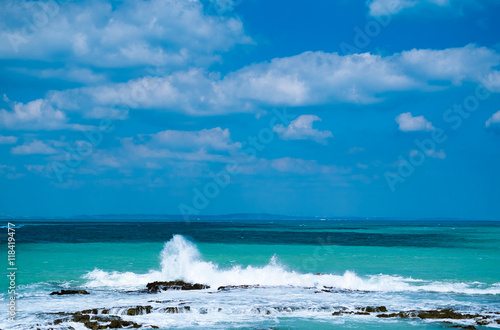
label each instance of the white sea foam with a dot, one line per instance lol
(181, 260)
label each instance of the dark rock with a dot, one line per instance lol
(286, 309)
(81, 318)
(232, 287)
(106, 318)
(402, 315)
(156, 287)
(337, 290)
(116, 324)
(139, 310)
(446, 313)
(262, 310)
(92, 322)
(90, 311)
(370, 309)
(93, 325)
(176, 310)
(65, 292)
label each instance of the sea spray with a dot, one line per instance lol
(181, 260)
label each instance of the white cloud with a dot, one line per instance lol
(408, 123)
(80, 75)
(7, 168)
(10, 172)
(32, 148)
(355, 150)
(311, 78)
(492, 81)
(302, 129)
(452, 64)
(302, 166)
(8, 139)
(440, 154)
(104, 33)
(73, 74)
(45, 171)
(152, 150)
(318, 78)
(289, 165)
(207, 139)
(193, 92)
(106, 112)
(390, 7)
(35, 115)
(436, 154)
(495, 119)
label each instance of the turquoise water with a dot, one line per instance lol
(401, 265)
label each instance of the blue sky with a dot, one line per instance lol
(379, 108)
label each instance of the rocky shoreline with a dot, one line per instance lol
(113, 318)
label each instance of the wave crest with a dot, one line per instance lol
(181, 260)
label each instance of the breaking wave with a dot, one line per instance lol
(181, 260)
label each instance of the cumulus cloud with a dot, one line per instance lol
(301, 128)
(35, 115)
(408, 123)
(207, 139)
(112, 34)
(152, 150)
(495, 119)
(8, 139)
(311, 78)
(453, 64)
(34, 147)
(492, 81)
(194, 92)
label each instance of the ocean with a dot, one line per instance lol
(284, 274)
